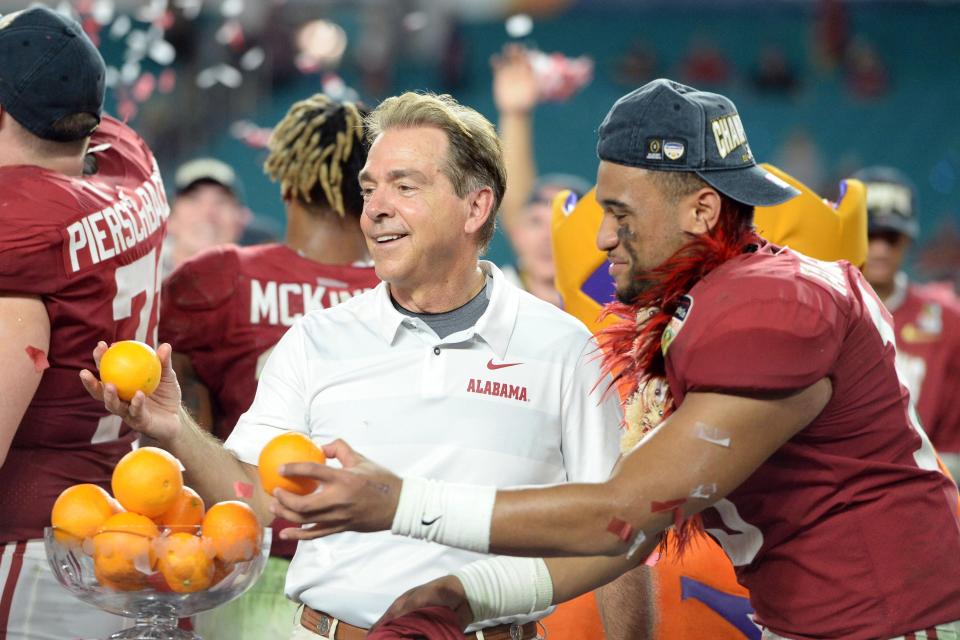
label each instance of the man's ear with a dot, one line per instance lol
(700, 210)
(481, 208)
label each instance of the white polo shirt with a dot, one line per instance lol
(505, 403)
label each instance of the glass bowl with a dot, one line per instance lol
(153, 605)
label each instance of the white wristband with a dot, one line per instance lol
(499, 587)
(456, 515)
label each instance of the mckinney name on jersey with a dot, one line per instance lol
(270, 300)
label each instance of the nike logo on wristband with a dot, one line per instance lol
(427, 524)
(494, 367)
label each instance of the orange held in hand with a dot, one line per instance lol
(79, 512)
(284, 449)
(130, 366)
(123, 554)
(185, 514)
(185, 562)
(233, 530)
(147, 481)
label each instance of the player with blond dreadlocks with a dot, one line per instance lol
(224, 310)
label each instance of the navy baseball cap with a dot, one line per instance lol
(50, 70)
(891, 201)
(667, 126)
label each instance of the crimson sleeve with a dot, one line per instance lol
(756, 335)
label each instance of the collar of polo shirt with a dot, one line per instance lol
(494, 327)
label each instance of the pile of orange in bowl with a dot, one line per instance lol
(154, 532)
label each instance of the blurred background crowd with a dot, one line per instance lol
(826, 87)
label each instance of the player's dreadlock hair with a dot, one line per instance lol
(316, 152)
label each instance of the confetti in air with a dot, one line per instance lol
(519, 25)
(250, 134)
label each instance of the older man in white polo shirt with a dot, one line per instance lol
(445, 370)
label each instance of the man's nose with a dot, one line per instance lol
(607, 234)
(376, 204)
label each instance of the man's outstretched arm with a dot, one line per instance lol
(211, 469)
(707, 448)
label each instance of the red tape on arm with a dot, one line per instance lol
(39, 358)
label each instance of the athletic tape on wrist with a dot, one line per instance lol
(456, 515)
(500, 586)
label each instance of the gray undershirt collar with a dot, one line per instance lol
(450, 322)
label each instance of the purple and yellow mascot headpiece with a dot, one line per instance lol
(807, 223)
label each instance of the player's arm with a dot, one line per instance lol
(515, 96)
(24, 345)
(708, 447)
(195, 395)
(470, 595)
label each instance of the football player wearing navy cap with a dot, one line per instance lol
(926, 318)
(778, 422)
(79, 253)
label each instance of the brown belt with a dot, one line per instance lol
(327, 626)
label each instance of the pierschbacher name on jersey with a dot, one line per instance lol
(500, 389)
(278, 302)
(119, 227)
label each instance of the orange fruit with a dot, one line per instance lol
(283, 449)
(123, 554)
(184, 562)
(147, 481)
(130, 366)
(78, 513)
(233, 530)
(185, 514)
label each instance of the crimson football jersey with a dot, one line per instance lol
(228, 306)
(89, 248)
(928, 356)
(849, 530)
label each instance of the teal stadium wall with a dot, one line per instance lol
(913, 127)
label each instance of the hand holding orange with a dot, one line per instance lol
(130, 366)
(283, 449)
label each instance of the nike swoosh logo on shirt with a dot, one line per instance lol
(494, 367)
(427, 524)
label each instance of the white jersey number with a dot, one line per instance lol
(925, 456)
(744, 543)
(140, 276)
